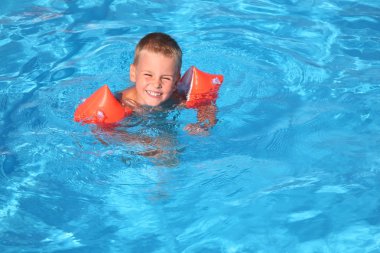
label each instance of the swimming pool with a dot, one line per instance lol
(292, 165)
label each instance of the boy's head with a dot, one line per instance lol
(156, 68)
(160, 43)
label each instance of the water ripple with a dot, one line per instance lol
(294, 147)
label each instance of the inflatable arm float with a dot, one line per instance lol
(102, 107)
(200, 88)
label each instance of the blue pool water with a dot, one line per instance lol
(293, 164)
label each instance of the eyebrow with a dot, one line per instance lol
(151, 72)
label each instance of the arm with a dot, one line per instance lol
(206, 119)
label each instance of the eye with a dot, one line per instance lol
(147, 75)
(166, 78)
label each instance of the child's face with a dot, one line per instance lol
(155, 76)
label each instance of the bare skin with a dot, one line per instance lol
(156, 77)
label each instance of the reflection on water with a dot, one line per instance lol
(152, 134)
(295, 145)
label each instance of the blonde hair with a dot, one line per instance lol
(160, 43)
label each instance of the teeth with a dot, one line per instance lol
(153, 93)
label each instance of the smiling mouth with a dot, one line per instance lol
(153, 93)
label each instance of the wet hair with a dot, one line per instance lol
(160, 43)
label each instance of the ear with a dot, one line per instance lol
(132, 73)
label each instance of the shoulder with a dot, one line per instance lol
(129, 93)
(128, 97)
(182, 99)
(179, 97)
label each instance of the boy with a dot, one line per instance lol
(156, 71)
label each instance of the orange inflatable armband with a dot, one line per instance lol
(101, 108)
(201, 88)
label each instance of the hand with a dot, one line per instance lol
(196, 129)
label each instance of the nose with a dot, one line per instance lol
(157, 83)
